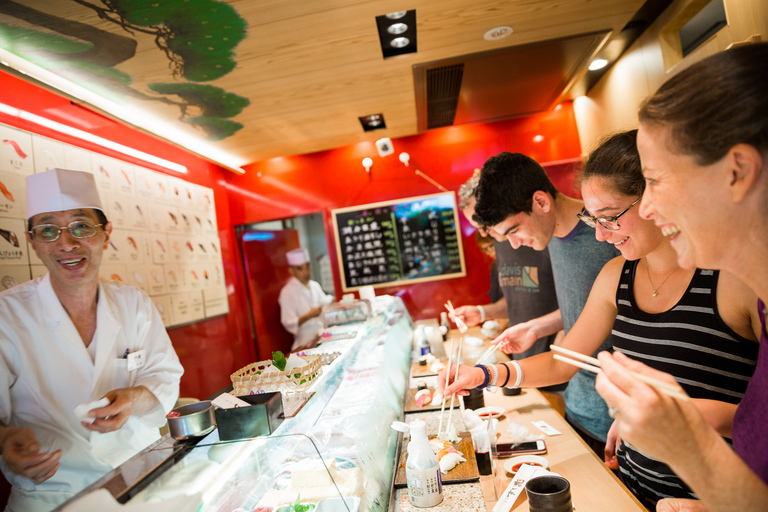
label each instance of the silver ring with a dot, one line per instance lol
(612, 411)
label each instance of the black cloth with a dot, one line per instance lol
(495, 292)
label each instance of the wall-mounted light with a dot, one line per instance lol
(397, 32)
(538, 138)
(405, 158)
(597, 64)
(367, 163)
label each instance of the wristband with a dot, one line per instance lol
(508, 374)
(495, 373)
(482, 313)
(487, 376)
(519, 376)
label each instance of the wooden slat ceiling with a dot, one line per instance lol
(310, 68)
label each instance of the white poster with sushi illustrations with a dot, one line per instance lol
(174, 278)
(13, 242)
(181, 312)
(113, 253)
(113, 272)
(77, 159)
(193, 276)
(38, 271)
(118, 209)
(138, 276)
(159, 245)
(143, 182)
(13, 275)
(163, 305)
(156, 279)
(130, 245)
(172, 219)
(196, 306)
(48, 153)
(105, 170)
(216, 302)
(13, 195)
(187, 220)
(124, 179)
(160, 192)
(16, 152)
(139, 216)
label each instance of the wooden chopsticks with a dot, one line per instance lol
(447, 377)
(459, 322)
(593, 365)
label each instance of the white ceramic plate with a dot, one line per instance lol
(514, 461)
(473, 341)
(493, 412)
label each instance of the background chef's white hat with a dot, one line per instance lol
(297, 257)
(58, 190)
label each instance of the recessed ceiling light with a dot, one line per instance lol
(396, 15)
(372, 122)
(400, 42)
(598, 64)
(397, 28)
(497, 33)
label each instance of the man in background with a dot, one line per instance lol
(68, 338)
(301, 302)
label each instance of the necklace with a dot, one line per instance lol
(657, 288)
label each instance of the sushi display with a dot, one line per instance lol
(447, 456)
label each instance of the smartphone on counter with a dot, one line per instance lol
(526, 448)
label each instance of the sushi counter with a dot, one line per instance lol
(338, 443)
(337, 450)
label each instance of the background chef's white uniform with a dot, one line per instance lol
(46, 371)
(295, 300)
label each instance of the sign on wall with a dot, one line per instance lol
(398, 242)
(164, 237)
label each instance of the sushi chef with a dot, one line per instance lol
(301, 301)
(67, 339)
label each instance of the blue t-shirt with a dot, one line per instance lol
(577, 259)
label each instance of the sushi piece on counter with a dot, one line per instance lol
(423, 361)
(437, 399)
(423, 397)
(421, 385)
(450, 461)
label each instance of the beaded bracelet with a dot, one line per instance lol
(487, 376)
(508, 374)
(495, 373)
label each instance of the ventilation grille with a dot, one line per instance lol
(443, 86)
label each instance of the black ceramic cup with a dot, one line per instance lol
(475, 400)
(511, 392)
(549, 493)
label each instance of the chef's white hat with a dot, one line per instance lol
(58, 190)
(297, 257)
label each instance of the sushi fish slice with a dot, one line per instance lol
(423, 397)
(450, 461)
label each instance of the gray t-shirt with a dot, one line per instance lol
(577, 259)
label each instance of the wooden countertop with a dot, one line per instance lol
(594, 487)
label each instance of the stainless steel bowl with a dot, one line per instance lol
(193, 420)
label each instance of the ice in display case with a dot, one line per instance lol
(339, 444)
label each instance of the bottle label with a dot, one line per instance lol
(425, 486)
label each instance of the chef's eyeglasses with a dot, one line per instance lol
(52, 232)
(609, 223)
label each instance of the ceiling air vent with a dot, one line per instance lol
(443, 86)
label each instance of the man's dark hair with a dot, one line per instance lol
(100, 216)
(507, 184)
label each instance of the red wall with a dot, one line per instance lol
(209, 350)
(296, 185)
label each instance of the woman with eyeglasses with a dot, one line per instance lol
(699, 325)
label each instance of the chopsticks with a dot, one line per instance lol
(447, 376)
(594, 367)
(488, 352)
(459, 322)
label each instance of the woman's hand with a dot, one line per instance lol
(680, 505)
(612, 446)
(469, 377)
(517, 339)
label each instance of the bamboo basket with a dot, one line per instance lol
(252, 380)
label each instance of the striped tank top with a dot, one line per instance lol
(691, 342)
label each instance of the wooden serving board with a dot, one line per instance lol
(418, 371)
(464, 472)
(410, 403)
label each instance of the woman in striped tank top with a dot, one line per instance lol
(698, 325)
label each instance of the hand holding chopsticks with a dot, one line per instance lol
(593, 365)
(459, 322)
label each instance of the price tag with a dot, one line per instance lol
(546, 428)
(227, 401)
(136, 359)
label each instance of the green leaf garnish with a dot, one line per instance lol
(278, 360)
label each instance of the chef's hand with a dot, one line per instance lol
(680, 505)
(518, 338)
(124, 402)
(469, 377)
(312, 313)
(21, 454)
(612, 446)
(469, 314)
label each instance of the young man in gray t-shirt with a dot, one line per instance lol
(516, 198)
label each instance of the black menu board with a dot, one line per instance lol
(398, 242)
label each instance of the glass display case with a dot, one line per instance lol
(338, 445)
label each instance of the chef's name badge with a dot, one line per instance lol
(136, 359)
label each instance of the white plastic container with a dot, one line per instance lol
(422, 470)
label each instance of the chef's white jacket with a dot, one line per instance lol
(295, 300)
(46, 371)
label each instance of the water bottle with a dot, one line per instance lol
(422, 470)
